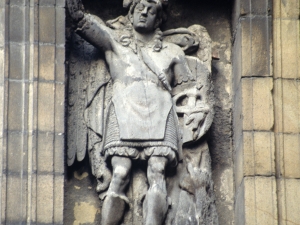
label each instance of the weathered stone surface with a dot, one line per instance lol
(257, 103)
(59, 108)
(223, 84)
(15, 106)
(17, 66)
(59, 159)
(14, 156)
(255, 7)
(288, 155)
(47, 3)
(46, 107)
(239, 206)
(17, 2)
(289, 197)
(27, 106)
(60, 64)
(17, 30)
(58, 200)
(45, 151)
(286, 10)
(286, 101)
(260, 200)
(16, 194)
(259, 153)
(47, 62)
(245, 46)
(286, 93)
(260, 46)
(289, 45)
(44, 201)
(47, 19)
(60, 21)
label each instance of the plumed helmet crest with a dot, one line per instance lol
(127, 3)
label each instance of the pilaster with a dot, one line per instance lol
(32, 87)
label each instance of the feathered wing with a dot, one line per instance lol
(77, 85)
(88, 96)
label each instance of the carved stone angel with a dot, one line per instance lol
(145, 104)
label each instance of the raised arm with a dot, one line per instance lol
(182, 72)
(90, 27)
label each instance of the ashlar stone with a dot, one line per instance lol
(258, 103)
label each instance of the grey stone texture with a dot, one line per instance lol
(266, 112)
(146, 68)
(264, 38)
(32, 87)
(220, 147)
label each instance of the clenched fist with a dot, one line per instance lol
(76, 9)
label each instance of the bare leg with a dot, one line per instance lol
(114, 203)
(156, 205)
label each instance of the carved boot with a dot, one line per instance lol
(113, 209)
(155, 206)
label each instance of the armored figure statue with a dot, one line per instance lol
(140, 121)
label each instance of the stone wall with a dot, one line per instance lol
(32, 87)
(266, 111)
(286, 97)
(265, 92)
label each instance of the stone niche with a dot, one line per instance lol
(81, 201)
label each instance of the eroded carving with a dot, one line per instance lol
(149, 100)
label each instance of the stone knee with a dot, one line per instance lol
(121, 174)
(156, 171)
(155, 205)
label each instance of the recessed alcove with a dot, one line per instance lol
(81, 200)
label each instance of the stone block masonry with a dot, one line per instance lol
(266, 111)
(32, 98)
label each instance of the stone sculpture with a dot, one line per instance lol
(152, 103)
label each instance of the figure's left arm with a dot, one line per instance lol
(181, 70)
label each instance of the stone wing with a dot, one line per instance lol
(88, 79)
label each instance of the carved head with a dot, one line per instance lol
(146, 15)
